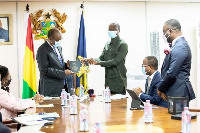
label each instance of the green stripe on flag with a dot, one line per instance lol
(27, 91)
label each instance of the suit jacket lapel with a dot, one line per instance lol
(51, 51)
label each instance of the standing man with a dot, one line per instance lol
(3, 34)
(150, 67)
(176, 67)
(113, 59)
(51, 65)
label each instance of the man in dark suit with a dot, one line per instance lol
(51, 65)
(150, 67)
(176, 67)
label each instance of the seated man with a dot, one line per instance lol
(150, 67)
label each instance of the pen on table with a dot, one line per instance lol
(36, 120)
(42, 113)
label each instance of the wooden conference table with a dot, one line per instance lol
(114, 117)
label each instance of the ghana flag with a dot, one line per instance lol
(29, 72)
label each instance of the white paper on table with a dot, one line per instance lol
(45, 105)
(119, 96)
(30, 120)
(30, 129)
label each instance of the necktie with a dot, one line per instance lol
(59, 57)
(149, 80)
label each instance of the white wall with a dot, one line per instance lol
(136, 19)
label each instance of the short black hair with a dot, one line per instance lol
(152, 61)
(173, 24)
(3, 71)
(117, 25)
(52, 32)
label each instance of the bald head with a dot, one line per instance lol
(114, 27)
(53, 32)
(54, 35)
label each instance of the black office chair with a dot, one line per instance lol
(10, 122)
(0, 117)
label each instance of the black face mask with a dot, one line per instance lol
(9, 81)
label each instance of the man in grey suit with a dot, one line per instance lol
(51, 65)
(176, 67)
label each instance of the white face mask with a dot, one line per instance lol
(112, 34)
(57, 43)
(165, 38)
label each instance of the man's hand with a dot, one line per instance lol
(162, 95)
(68, 72)
(137, 90)
(89, 60)
(68, 64)
(96, 63)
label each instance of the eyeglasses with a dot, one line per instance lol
(145, 65)
(168, 30)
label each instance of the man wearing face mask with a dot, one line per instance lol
(113, 59)
(150, 67)
(176, 67)
(51, 65)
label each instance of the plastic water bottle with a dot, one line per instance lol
(107, 95)
(73, 105)
(72, 92)
(81, 91)
(148, 115)
(83, 116)
(186, 120)
(98, 128)
(63, 97)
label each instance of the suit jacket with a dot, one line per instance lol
(152, 94)
(175, 71)
(10, 105)
(52, 72)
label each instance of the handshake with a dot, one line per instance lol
(91, 61)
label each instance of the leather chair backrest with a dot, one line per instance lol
(0, 117)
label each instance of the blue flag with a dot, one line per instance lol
(81, 78)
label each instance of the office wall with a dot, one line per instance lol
(137, 20)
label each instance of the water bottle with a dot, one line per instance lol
(72, 92)
(148, 115)
(107, 95)
(63, 97)
(98, 128)
(186, 121)
(81, 91)
(83, 116)
(73, 105)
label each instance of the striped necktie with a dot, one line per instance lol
(149, 79)
(59, 57)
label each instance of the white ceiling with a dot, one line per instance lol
(198, 1)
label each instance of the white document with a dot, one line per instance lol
(30, 129)
(45, 105)
(30, 120)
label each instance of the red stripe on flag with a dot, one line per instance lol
(29, 37)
